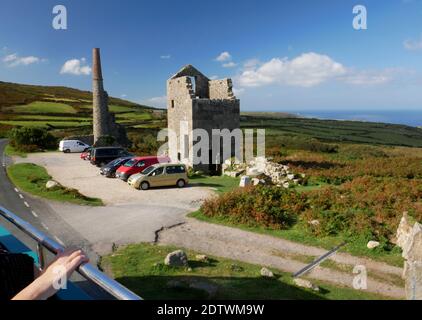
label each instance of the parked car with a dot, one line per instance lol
(68, 146)
(102, 156)
(109, 170)
(137, 165)
(86, 154)
(160, 175)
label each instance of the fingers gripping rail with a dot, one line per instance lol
(87, 271)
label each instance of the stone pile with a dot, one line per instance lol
(263, 171)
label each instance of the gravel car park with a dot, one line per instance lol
(129, 215)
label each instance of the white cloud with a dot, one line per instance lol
(251, 63)
(124, 95)
(413, 45)
(165, 57)
(238, 91)
(14, 60)
(230, 64)
(76, 67)
(306, 70)
(158, 101)
(214, 77)
(224, 56)
(368, 77)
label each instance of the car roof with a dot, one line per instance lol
(149, 157)
(103, 148)
(167, 165)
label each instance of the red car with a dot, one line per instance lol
(137, 165)
(86, 155)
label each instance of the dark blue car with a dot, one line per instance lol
(109, 170)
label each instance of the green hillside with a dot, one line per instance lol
(66, 111)
(12, 94)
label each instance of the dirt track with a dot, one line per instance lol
(279, 254)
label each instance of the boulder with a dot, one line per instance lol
(314, 223)
(176, 259)
(305, 284)
(413, 248)
(291, 176)
(267, 273)
(372, 244)
(413, 280)
(253, 172)
(245, 181)
(51, 184)
(201, 258)
(403, 232)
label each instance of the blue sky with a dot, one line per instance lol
(282, 55)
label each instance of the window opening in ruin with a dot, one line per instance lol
(172, 103)
(193, 82)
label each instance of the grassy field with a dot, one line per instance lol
(10, 151)
(336, 131)
(43, 107)
(47, 124)
(220, 184)
(140, 267)
(32, 179)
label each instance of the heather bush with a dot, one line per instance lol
(271, 207)
(365, 206)
(300, 143)
(338, 172)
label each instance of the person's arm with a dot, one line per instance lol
(43, 287)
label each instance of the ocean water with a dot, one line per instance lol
(411, 118)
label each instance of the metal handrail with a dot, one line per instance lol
(86, 270)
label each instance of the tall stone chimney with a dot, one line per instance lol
(100, 99)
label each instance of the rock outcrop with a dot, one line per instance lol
(176, 259)
(409, 239)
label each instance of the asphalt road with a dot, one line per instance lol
(40, 215)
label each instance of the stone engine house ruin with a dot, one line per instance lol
(196, 102)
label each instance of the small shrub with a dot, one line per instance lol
(144, 143)
(105, 141)
(28, 139)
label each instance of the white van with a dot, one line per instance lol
(68, 146)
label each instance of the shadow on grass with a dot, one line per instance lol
(203, 184)
(231, 288)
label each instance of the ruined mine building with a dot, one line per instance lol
(196, 102)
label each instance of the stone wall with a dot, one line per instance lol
(221, 89)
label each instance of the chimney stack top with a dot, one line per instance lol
(96, 65)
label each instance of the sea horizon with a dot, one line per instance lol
(411, 118)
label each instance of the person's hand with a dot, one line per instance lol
(60, 270)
